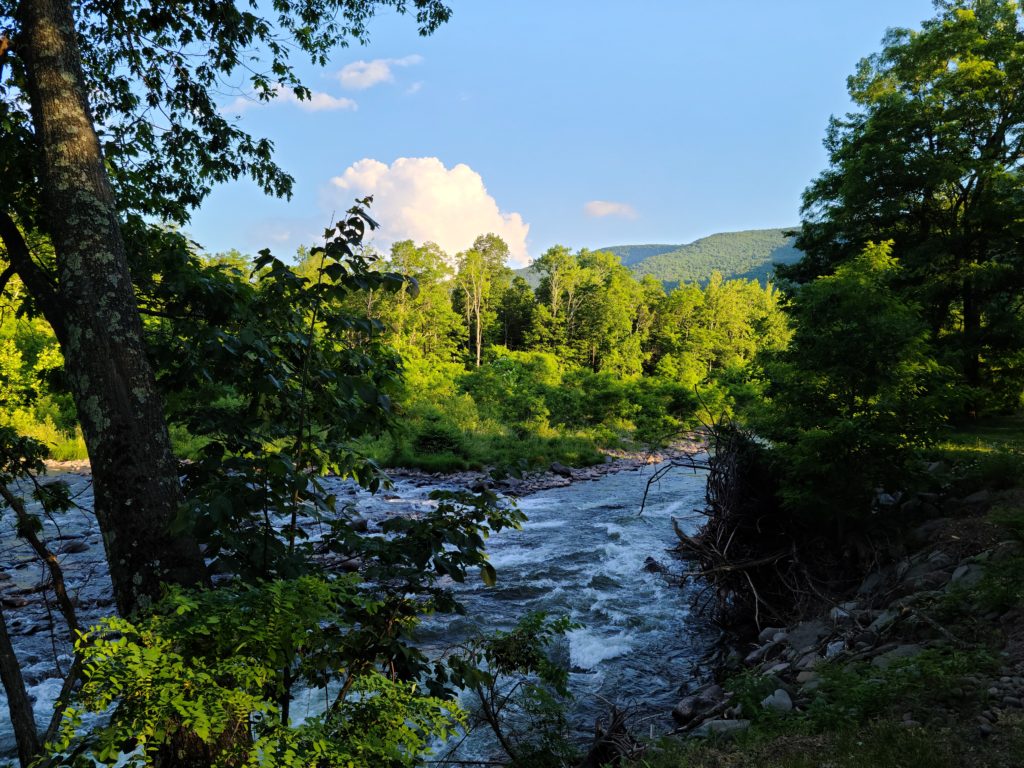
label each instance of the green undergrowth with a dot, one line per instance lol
(62, 444)
(855, 694)
(876, 744)
(988, 453)
(435, 447)
(855, 718)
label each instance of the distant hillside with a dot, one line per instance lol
(631, 254)
(747, 255)
(743, 255)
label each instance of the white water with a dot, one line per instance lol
(581, 554)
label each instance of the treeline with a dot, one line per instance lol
(592, 357)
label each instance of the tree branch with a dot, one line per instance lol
(32, 275)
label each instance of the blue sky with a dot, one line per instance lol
(671, 119)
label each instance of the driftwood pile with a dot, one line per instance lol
(759, 564)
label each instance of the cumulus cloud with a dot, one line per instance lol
(418, 198)
(317, 102)
(360, 75)
(599, 209)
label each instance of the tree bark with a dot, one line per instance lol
(135, 475)
(25, 734)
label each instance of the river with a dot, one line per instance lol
(583, 554)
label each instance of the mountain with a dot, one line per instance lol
(747, 255)
(631, 254)
(740, 255)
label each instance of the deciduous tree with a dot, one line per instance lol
(148, 75)
(931, 159)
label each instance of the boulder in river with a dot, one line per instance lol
(560, 469)
(653, 566)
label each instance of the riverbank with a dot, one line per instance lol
(557, 475)
(920, 663)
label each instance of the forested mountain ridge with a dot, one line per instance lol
(748, 254)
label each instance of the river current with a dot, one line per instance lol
(584, 553)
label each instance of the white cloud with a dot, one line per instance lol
(602, 208)
(317, 102)
(414, 88)
(360, 75)
(418, 198)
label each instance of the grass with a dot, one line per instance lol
(438, 450)
(62, 445)
(988, 453)
(873, 745)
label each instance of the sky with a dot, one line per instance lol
(578, 122)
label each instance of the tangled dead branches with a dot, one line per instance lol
(760, 564)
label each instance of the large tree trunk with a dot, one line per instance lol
(134, 473)
(20, 708)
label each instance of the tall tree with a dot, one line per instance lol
(515, 314)
(419, 318)
(482, 277)
(148, 75)
(932, 161)
(92, 309)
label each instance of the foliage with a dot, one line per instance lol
(33, 394)
(141, 62)
(859, 692)
(930, 160)
(854, 393)
(275, 376)
(519, 691)
(870, 745)
(217, 668)
(851, 694)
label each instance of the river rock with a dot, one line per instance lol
(978, 498)
(939, 559)
(777, 669)
(560, 469)
(806, 634)
(1007, 549)
(769, 633)
(710, 695)
(967, 575)
(686, 709)
(73, 547)
(653, 566)
(780, 701)
(762, 653)
(883, 621)
(906, 651)
(725, 728)
(808, 660)
(835, 648)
